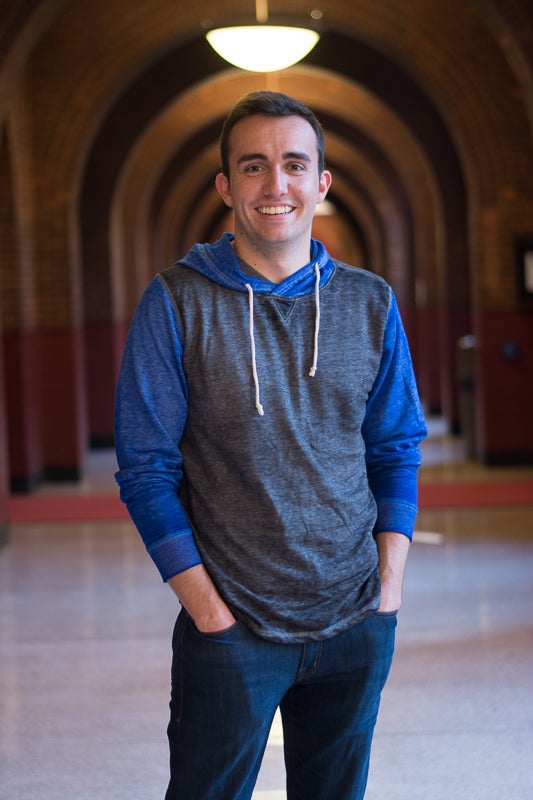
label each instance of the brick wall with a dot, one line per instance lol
(76, 106)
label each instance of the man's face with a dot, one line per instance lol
(274, 184)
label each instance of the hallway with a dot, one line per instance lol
(85, 627)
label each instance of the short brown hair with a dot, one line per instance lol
(270, 104)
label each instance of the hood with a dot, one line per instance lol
(219, 263)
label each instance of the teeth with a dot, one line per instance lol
(275, 209)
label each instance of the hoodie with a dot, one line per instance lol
(268, 431)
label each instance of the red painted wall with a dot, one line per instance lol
(4, 468)
(505, 376)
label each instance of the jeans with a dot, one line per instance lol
(227, 686)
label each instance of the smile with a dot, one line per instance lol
(274, 210)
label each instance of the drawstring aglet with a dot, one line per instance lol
(312, 371)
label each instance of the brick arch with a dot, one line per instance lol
(385, 77)
(430, 62)
(357, 60)
(184, 206)
(20, 441)
(231, 85)
(20, 29)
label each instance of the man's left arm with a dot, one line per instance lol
(393, 549)
(393, 429)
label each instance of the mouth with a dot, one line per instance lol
(275, 211)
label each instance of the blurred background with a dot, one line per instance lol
(110, 113)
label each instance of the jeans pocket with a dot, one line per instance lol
(386, 613)
(223, 634)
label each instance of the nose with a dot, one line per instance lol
(276, 182)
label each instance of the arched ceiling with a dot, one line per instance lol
(367, 171)
(110, 112)
(155, 154)
(94, 50)
(102, 74)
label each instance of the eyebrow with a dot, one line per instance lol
(289, 156)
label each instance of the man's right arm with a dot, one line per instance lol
(150, 413)
(199, 596)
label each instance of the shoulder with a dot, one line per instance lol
(360, 275)
(173, 275)
(182, 285)
(366, 284)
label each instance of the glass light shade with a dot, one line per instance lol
(262, 48)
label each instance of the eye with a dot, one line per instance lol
(253, 168)
(296, 167)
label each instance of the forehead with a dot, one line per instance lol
(272, 136)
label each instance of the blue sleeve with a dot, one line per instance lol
(393, 428)
(150, 414)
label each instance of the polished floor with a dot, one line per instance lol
(85, 628)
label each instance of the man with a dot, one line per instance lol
(267, 428)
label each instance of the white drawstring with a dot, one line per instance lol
(258, 405)
(312, 371)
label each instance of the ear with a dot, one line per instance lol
(222, 185)
(323, 185)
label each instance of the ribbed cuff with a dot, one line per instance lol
(175, 555)
(395, 516)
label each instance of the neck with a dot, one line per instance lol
(277, 263)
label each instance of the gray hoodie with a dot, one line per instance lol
(267, 431)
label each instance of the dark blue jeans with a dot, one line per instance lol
(225, 691)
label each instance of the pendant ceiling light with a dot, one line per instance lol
(262, 47)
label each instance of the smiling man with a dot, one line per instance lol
(267, 429)
(273, 191)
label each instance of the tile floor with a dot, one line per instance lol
(85, 648)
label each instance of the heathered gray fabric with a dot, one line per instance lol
(283, 497)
